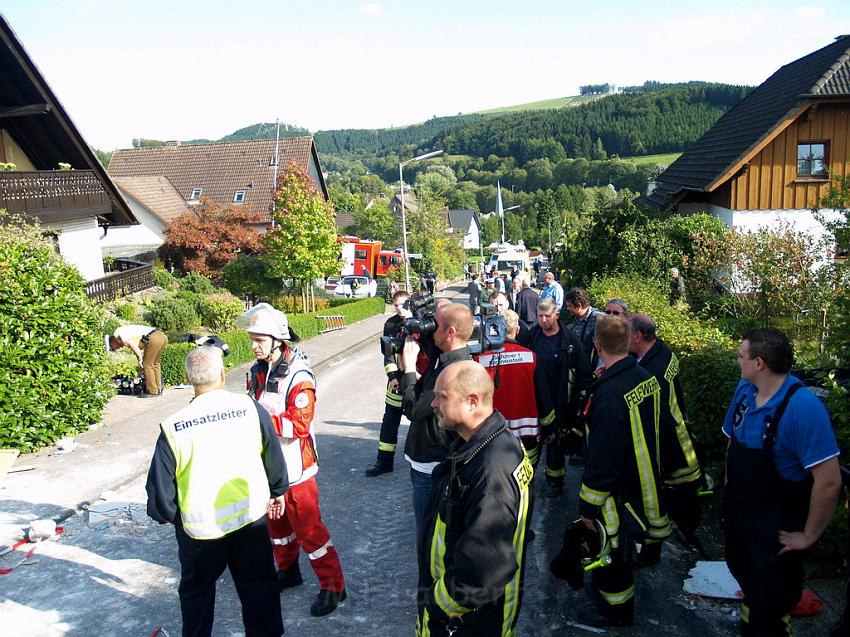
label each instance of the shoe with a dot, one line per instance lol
(326, 602)
(576, 461)
(553, 489)
(380, 466)
(593, 617)
(290, 578)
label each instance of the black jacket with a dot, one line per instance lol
(679, 463)
(425, 441)
(476, 521)
(574, 373)
(622, 457)
(526, 307)
(391, 327)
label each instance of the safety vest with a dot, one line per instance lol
(221, 482)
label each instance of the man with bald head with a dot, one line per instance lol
(426, 445)
(680, 468)
(472, 542)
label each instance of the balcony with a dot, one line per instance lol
(40, 193)
(126, 278)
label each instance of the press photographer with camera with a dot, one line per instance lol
(448, 326)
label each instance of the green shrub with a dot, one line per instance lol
(109, 324)
(171, 314)
(125, 311)
(240, 348)
(218, 311)
(54, 380)
(163, 278)
(122, 363)
(197, 283)
(173, 363)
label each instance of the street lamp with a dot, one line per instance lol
(403, 216)
(504, 210)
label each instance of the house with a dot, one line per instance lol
(769, 157)
(464, 223)
(155, 202)
(233, 173)
(77, 205)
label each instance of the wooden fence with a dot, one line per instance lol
(128, 277)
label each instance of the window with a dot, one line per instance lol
(239, 196)
(811, 159)
(196, 192)
(360, 255)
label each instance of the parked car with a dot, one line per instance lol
(353, 286)
(330, 283)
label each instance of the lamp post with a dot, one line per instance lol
(504, 210)
(403, 216)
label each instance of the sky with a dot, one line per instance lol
(185, 69)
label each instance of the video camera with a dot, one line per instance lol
(423, 307)
(489, 330)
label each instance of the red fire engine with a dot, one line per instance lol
(365, 257)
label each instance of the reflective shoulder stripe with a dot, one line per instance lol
(448, 605)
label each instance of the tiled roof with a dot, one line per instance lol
(822, 74)
(156, 193)
(460, 219)
(218, 169)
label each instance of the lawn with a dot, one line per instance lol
(557, 102)
(664, 160)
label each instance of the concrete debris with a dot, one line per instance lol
(66, 445)
(116, 513)
(712, 579)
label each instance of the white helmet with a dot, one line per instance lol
(264, 319)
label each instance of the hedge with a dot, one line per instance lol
(709, 370)
(305, 325)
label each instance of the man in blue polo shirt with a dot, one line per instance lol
(782, 481)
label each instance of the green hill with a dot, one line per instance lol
(542, 105)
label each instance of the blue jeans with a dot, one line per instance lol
(422, 487)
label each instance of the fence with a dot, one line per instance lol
(130, 276)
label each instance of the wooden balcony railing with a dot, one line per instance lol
(128, 277)
(50, 189)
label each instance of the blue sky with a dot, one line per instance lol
(185, 69)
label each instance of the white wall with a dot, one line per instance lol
(146, 236)
(471, 240)
(79, 244)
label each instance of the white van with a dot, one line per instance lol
(507, 258)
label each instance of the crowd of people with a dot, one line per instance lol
(600, 393)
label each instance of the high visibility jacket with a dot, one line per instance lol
(521, 395)
(472, 543)
(679, 464)
(221, 481)
(621, 480)
(391, 327)
(288, 392)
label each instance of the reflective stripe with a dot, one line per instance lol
(321, 551)
(592, 496)
(548, 419)
(555, 473)
(391, 398)
(385, 446)
(615, 599)
(745, 613)
(389, 368)
(438, 549)
(422, 629)
(691, 468)
(283, 541)
(524, 476)
(448, 605)
(232, 509)
(611, 518)
(533, 454)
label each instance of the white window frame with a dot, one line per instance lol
(196, 192)
(237, 198)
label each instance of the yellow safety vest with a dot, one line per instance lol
(221, 481)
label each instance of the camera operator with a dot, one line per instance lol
(426, 445)
(392, 405)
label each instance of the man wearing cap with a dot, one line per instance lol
(282, 381)
(146, 343)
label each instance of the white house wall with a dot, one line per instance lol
(752, 220)
(79, 245)
(128, 241)
(471, 240)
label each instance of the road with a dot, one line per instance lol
(122, 580)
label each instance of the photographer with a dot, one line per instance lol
(392, 408)
(426, 445)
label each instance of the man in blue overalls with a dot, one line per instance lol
(782, 481)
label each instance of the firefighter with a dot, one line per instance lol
(392, 403)
(679, 464)
(782, 481)
(621, 476)
(521, 393)
(472, 541)
(282, 381)
(217, 464)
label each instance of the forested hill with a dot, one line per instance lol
(623, 124)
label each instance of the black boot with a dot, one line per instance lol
(289, 578)
(326, 602)
(554, 487)
(383, 464)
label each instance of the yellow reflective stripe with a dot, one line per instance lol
(448, 605)
(385, 446)
(556, 473)
(658, 522)
(592, 496)
(611, 519)
(615, 599)
(745, 613)
(437, 562)
(524, 475)
(786, 619)
(422, 629)
(533, 454)
(392, 399)
(684, 476)
(548, 419)
(389, 368)
(631, 510)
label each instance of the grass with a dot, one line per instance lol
(554, 103)
(664, 160)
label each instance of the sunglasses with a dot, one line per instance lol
(614, 312)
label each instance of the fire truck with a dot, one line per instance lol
(365, 257)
